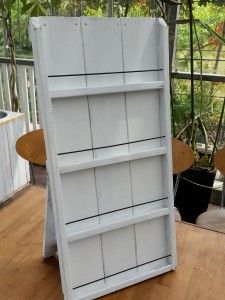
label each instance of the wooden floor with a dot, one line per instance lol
(25, 276)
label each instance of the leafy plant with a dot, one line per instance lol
(197, 124)
(36, 8)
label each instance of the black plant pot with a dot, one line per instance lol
(192, 200)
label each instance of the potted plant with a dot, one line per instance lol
(192, 197)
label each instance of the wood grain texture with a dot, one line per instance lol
(24, 275)
(183, 156)
(31, 146)
(219, 160)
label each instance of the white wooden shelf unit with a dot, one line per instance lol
(104, 99)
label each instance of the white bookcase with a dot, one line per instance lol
(103, 86)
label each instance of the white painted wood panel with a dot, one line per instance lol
(113, 187)
(139, 44)
(123, 280)
(68, 129)
(63, 46)
(143, 115)
(118, 248)
(95, 225)
(86, 261)
(14, 171)
(98, 42)
(107, 89)
(151, 240)
(6, 186)
(146, 176)
(164, 96)
(19, 166)
(79, 194)
(109, 127)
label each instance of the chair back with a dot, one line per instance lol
(219, 160)
(31, 146)
(183, 156)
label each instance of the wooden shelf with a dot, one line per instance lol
(110, 89)
(74, 233)
(122, 280)
(70, 166)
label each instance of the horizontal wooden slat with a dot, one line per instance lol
(72, 167)
(121, 280)
(73, 234)
(110, 89)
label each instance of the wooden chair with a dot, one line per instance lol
(31, 146)
(215, 219)
(183, 158)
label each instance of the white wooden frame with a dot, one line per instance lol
(117, 223)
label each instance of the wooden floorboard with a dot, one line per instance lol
(25, 276)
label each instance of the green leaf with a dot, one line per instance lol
(42, 11)
(9, 4)
(56, 3)
(27, 7)
(38, 10)
(171, 2)
(203, 130)
(206, 26)
(213, 32)
(2, 7)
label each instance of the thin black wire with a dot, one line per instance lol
(105, 73)
(105, 277)
(112, 211)
(111, 146)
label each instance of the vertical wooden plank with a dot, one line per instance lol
(142, 107)
(151, 240)
(39, 42)
(7, 96)
(86, 261)
(19, 167)
(71, 116)
(32, 98)
(23, 94)
(63, 46)
(107, 112)
(118, 250)
(143, 119)
(6, 186)
(113, 187)
(164, 95)
(148, 187)
(109, 128)
(79, 195)
(2, 104)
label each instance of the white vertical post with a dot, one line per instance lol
(23, 94)
(163, 62)
(8, 102)
(2, 104)
(32, 97)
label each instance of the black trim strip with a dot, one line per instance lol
(104, 73)
(120, 272)
(111, 146)
(108, 212)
